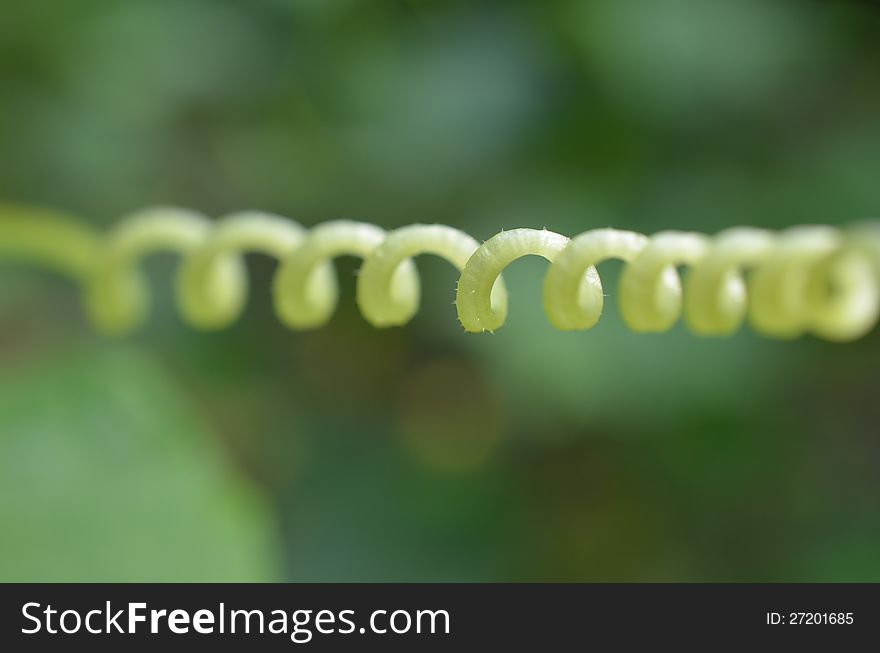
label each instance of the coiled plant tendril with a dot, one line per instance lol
(810, 279)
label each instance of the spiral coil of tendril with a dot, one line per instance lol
(809, 279)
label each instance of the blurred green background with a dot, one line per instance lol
(423, 453)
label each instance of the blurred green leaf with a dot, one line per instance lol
(107, 475)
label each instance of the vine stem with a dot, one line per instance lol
(47, 238)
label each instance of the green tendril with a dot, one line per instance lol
(813, 279)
